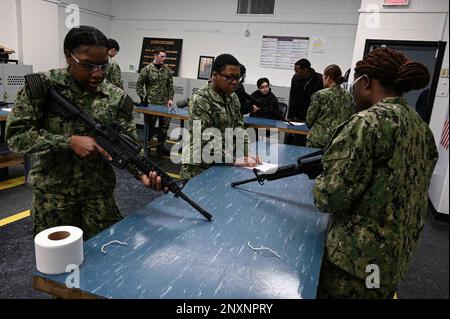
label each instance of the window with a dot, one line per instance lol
(255, 6)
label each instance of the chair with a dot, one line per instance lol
(282, 109)
(346, 75)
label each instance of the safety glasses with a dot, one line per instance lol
(90, 67)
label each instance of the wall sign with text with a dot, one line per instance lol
(280, 52)
(394, 3)
(173, 52)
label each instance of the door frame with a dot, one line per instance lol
(440, 47)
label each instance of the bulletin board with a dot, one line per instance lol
(173, 52)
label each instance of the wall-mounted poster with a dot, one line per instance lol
(279, 52)
(205, 64)
(173, 52)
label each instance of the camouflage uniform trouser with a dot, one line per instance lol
(92, 213)
(164, 123)
(335, 283)
(312, 144)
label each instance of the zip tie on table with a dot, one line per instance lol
(112, 242)
(264, 248)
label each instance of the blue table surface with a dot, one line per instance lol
(3, 113)
(274, 123)
(164, 109)
(247, 119)
(174, 253)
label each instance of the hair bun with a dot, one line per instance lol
(411, 76)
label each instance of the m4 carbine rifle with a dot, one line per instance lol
(310, 165)
(122, 148)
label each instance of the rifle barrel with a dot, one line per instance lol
(245, 181)
(207, 215)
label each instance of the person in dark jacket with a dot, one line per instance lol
(267, 101)
(304, 84)
(422, 103)
(247, 105)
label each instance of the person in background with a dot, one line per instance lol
(72, 179)
(217, 106)
(247, 105)
(377, 171)
(422, 103)
(114, 74)
(267, 101)
(155, 86)
(329, 108)
(305, 82)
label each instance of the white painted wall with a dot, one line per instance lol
(35, 29)
(38, 33)
(8, 26)
(422, 20)
(96, 13)
(212, 27)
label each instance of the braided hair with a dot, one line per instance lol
(84, 35)
(394, 70)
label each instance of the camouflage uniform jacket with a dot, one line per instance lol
(114, 74)
(158, 84)
(212, 111)
(33, 128)
(329, 108)
(377, 170)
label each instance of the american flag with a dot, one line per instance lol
(444, 137)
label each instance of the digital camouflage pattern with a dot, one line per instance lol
(114, 74)
(43, 133)
(156, 85)
(329, 108)
(213, 111)
(377, 170)
(92, 212)
(335, 283)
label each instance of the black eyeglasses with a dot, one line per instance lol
(90, 67)
(230, 78)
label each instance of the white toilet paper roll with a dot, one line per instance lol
(58, 247)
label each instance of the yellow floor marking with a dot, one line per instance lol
(14, 218)
(12, 183)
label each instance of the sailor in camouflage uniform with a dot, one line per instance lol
(114, 74)
(72, 179)
(155, 86)
(329, 108)
(377, 170)
(216, 106)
